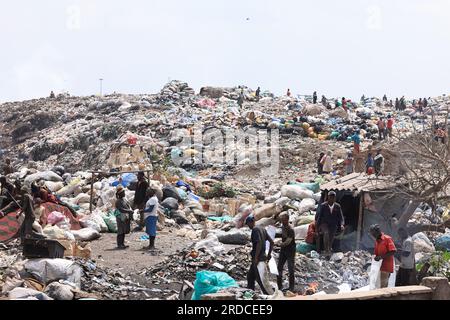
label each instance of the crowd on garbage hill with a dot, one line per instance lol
(77, 168)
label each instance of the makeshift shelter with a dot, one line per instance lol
(365, 200)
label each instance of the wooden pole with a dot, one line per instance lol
(92, 193)
(360, 217)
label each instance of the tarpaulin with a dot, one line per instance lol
(9, 227)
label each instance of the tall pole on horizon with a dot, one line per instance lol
(101, 87)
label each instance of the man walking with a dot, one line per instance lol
(314, 97)
(287, 253)
(329, 221)
(406, 275)
(384, 250)
(258, 269)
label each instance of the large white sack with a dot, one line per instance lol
(296, 192)
(54, 186)
(70, 188)
(301, 231)
(82, 198)
(307, 205)
(273, 198)
(281, 202)
(422, 243)
(317, 196)
(59, 291)
(94, 221)
(265, 211)
(27, 294)
(49, 270)
(45, 175)
(86, 234)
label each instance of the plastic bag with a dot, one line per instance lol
(296, 192)
(86, 234)
(374, 274)
(443, 242)
(211, 282)
(111, 222)
(55, 217)
(314, 187)
(49, 270)
(304, 248)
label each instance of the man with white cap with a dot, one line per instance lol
(258, 269)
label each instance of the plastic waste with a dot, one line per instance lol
(314, 187)
(27, 294)
(296, 192)
(111, 221)
(86, 234)
(49, 270)
(55, 217)
(443, 242)
(374, 274)
(211, 282)
(304, 248)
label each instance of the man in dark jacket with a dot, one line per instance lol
(287, 253)
(140, 198)
(329, 221)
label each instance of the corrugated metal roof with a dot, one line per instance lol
(360, 182)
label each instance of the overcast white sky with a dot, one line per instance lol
(339, 48)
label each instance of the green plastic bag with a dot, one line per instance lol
(211, 282)
(314, 187)
(304, 248)
(221, 219)
(110, 220)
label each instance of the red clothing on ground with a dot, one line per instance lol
(383, 246)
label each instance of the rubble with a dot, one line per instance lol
(81, 148)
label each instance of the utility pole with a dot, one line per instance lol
(101, 87)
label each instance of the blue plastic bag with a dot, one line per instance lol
(210, 282)
(128, 178)
(443, 242)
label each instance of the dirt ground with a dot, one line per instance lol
(135, 258)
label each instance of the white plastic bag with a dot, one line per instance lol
(374, 274)
(49, 270)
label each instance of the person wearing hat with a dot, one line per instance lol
(124, 215)
(329, 221)
(384, 250)
(258, 268)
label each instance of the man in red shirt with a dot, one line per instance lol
(390, 125)
(384, 250)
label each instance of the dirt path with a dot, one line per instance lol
(135, 258)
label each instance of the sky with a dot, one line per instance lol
(337, 48)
